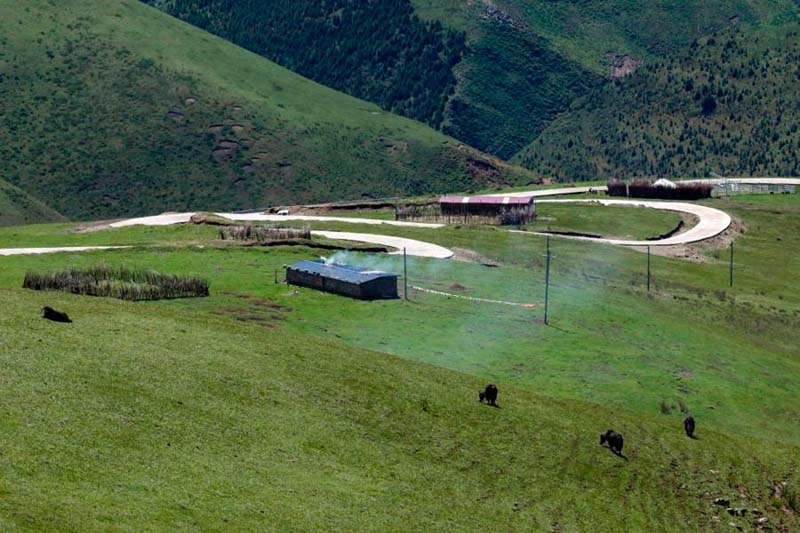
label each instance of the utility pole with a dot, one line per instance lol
(547, 284)
(405, 274)
(648, 269)
(731, 267)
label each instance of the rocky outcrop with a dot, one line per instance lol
(622, 64)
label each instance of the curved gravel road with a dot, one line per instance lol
(55, 250)
(168, 219)
(711, 223)
(413, 247)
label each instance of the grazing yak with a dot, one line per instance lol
(688, 426)
(489, 394)
(613, 439)
(48, 313)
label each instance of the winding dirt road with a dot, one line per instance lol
(168, 219)
(711, 223)
(413, 247)
(55, 250)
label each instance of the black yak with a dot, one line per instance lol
(489, 394)
(614, 441)
(688, 426)
(48, 313)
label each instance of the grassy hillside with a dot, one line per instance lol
(17, 207)
(260, 408)
(728, 104)
(114, 108)
(194, 420)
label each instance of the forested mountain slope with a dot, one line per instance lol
(529, 60)
(114, 108)
(728, 104)
(378, 51)
(492, 73)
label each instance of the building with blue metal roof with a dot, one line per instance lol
(347, 280)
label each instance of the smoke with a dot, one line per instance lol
(421, 270)
(365, 260)
(342, 258)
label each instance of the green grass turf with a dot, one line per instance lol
(165, 416)
(268, 402)
(621, 222)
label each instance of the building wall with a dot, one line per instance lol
(380, 288)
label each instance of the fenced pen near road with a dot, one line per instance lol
(117, 282)
(471, 211)
(733, 188)
(646, 189)
(262, 233)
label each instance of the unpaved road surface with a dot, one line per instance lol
(412, 247)
(168, 219)
(63, 249)
(711, 223)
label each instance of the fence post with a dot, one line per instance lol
(547, 285)
(648, 269)
(731, 268)
(405, 274)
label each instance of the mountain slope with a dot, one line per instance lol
(594, 33)
(727, 104)
(114, 108)
(406, 71)
(529, 60)
(17, 207)
(499, 72)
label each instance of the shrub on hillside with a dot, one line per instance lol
(646, 189)
(117, 282)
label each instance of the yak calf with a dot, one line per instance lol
(48, 313)
(688, 426)
(489, 394)
(613, 439)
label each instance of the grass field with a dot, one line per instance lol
(161, 417)
(267, 407)
(621, 222)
